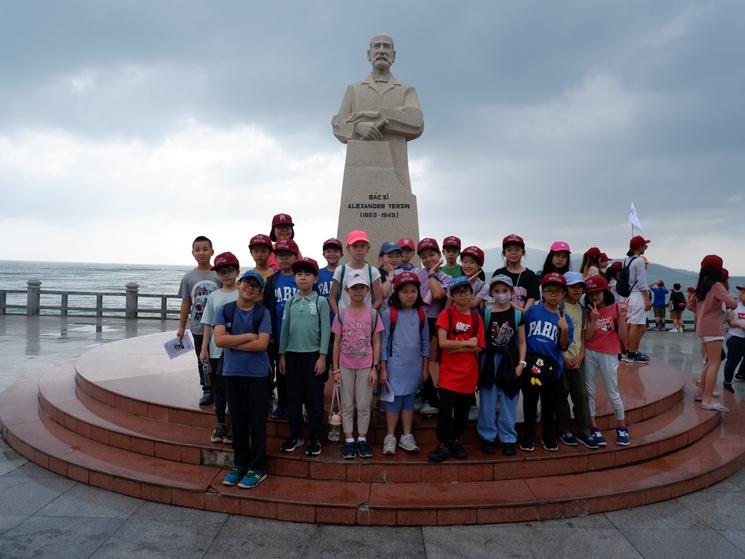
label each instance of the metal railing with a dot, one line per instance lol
(36, 298)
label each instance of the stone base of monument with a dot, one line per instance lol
(373, 198)
(123, 417)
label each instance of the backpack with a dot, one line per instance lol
(474, 320)
(487, 317)
(622, 284)
(393, 311)
(341, 279)
(679, 301)
(228, 316)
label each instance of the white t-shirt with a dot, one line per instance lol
(372, 274)
(738, 314)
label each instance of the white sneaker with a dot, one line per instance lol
(389, 444)
(408, 443)
(473, 413)
(428, 409)
(418, 404)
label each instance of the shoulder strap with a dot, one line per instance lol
(475, 316)
(228, 315)
(369, 273)
(373, 321)
(341, 283)
(340, 316)
(518, 316)
(487, 317)
(422, 318)
(258, 317)
(451, 317)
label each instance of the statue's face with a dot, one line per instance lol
(381, 53)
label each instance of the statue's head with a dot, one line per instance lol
(381, 53)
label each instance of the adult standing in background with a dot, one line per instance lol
(659, 292)
(639, 301)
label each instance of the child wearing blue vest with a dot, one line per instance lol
(548, 333)
(502, 364)
(403, 358)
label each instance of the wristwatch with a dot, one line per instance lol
(523, 363)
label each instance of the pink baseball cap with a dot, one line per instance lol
(560, 246)
(356, 236)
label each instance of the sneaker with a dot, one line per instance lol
(527, 444)
(363, 449)
(408, 443)
(389, 445)
(252, 479)
(568, 439)
(279, 412)
(473, 413)
(457, 451)
(439, 454)
(740, 377)
(291, 444)
(622, 436)
(628, 357)
(227, 438)
(207, 398)
(349, 452)
(598, 437)
(508, 449)
(218, 432)
(313, 448)
(234, 475)
(550, 446)
(487, 447)
(640, 357)
(428, 409)
(589, 442)
(418, 405)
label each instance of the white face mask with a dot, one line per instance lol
(502, 298)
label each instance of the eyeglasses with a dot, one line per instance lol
(251, 286)
(461, 293)
(225, 272)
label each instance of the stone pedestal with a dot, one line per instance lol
(374, 199)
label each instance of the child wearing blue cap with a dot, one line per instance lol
(242, 329)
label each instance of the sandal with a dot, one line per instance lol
(714, 406)
(700, 397)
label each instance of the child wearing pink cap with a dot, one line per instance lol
(358, 245)
(557, 259)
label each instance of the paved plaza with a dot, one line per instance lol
(45, 515)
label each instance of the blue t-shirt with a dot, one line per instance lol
(240, 363)
(542, 333)
(284, 288)
(325, 278)
(659, 296)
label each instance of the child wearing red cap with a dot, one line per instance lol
(590, 262)
(526, 291)
(736, 342)
(332, 253)
(639, 300)
(282, 229)
(451, 250)
(604, 330)
(260, 246)
(472, 261)
(408, 249)
(706, 301)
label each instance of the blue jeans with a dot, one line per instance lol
(489, 426)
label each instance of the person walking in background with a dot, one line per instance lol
(736, 342)
(677, 305)
(659, 304)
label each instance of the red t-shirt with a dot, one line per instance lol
(459, 372)
(605, 339)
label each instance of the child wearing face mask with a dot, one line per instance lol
(526, 291)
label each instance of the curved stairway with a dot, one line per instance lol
(124, 418)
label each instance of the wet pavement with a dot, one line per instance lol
(45, 515)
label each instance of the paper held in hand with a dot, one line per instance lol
(176, 346)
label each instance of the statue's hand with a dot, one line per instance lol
(367, 131)
(359, 115)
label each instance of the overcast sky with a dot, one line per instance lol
(128, 128)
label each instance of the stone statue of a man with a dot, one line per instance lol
(381, 108)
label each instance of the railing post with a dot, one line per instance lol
(163, 307)
(99, 306)
(63, 304)
(3, 302)
(131, 299)
(33, 297)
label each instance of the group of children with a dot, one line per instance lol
(427, 336)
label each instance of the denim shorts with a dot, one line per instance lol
(401, 403)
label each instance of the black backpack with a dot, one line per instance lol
(228, 315)
(622, 284)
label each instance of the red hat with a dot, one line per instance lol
(356, 236)
(691, 289)
(725, 275)
(287, 245)
(225, 259)
(333, 242)
(712, 261)
(451, 241)
(555, 278)
(638, 242)
(593, 252)
(513, 239)
(426, 243)
(474, 252)
(305, 264)
(595, 283)
(405, 277)
(617, 266)
(260, 240)
(407, 243)
(603, 256)
(280, 219)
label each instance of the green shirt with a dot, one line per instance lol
(453, 272)
(306, 324)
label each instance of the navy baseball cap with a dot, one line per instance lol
(257, 277)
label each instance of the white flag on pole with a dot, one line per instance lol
(634, 220)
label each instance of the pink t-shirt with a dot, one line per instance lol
(605, 339)
(356, 350)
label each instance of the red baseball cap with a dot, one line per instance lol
(555, 278)
(333, 242)
(225, 259)
(427, 243)
(281, 219)
(513, 239)
(407, 243)
(603, 256)
(474, 252)
(712, 261)
(405, 277)
(595, 283)
(638, 242)
(451, 241)
(725, 275)
(305, 264)
(617, 266)
(260, 240)
(593, 252)
(287, 245)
